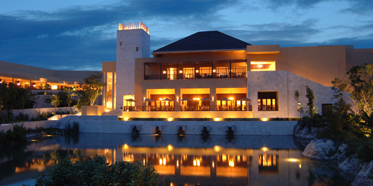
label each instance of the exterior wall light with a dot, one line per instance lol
(170, 147)
(213, 70)
(170, 119)
(164, 72)
(264, 149)
(212, 98)
(217, 119)
(197, 71)
(177, 98)
(180, 71)
(125, 119)
(264, 119)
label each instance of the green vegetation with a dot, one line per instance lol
(95, 171)
(55, 102)
(92, 88)
(12, 97)
(18, 135)
(341, 123)
(69, 91)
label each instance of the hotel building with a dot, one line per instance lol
(213, 75)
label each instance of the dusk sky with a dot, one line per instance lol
(81, 34)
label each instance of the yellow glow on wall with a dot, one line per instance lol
(263, 66)
(170, 147)
(264, 149)
(230, 90)
(217, 148)
(195, 91)
(125, 146)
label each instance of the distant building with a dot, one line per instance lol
(213, 75)
(35, 78)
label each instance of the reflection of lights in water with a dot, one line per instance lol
(169, 147)
(125, 146)
(217, 148)
(292, 160)
(231, 163)
(224, 158)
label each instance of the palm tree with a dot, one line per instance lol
(55, 102)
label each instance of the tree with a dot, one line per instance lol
(70, 94)
(92, 88)
(310, 105)
(359, 85)
(55, 102)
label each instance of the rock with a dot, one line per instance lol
(350, 166)
(305, 132)
(365, 176)
(340, 154)
(321, 149)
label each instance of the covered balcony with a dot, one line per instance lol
(195, 69)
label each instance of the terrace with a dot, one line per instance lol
(195, 69)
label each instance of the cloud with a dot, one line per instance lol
(273, 32)
(80, 36)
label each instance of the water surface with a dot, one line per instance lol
(189, 160)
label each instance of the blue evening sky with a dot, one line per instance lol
(81, 34)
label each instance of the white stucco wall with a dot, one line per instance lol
(110, 124)
(125, 63)
(285, 84)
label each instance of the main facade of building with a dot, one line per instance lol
(213, 75)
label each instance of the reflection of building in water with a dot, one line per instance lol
(211, 166)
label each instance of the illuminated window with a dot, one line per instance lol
(267, 101)
(268, 163)
(188, 72)
(205, 72)
(222, 72)
(171, 73)
(263, 66)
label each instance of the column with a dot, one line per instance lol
(113, 92)
(213, 99)
(177, 99)
(104, 91)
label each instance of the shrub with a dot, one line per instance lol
(18, 135)
(97, 172)
(22, 117)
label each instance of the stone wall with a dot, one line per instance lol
(110, 124)
(28, 125)
(34, 112)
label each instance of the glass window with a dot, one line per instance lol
(188, 72)
(267, 101)
(171, 73)
(263, 66)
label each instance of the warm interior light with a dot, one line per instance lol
(260, 66)
(170, 119)
(231, 98)
(217, 119)
(107, 110)
(160, 99)
(125, 146)
(224, 158)
(54, 87)
(212, 98)
(197, 71)
(125, 119)
(231, 163)
(180, 71)
(264, 119)
(164, 72)
(160, 161)
(293, 160)
(213, 70)
(177, 98)
(213, 164)
(177, 163)
(18, 83)
(264, 149)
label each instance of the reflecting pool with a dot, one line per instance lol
(189, 160)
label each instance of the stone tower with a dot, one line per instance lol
(133, 41)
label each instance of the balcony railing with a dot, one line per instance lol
(195, 76)
(185, 108)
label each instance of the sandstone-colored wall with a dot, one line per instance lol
(110, 124)
(285, 84)
(188, 114)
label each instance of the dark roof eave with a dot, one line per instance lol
(195, 51)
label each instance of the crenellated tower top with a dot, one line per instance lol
(133, 26)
